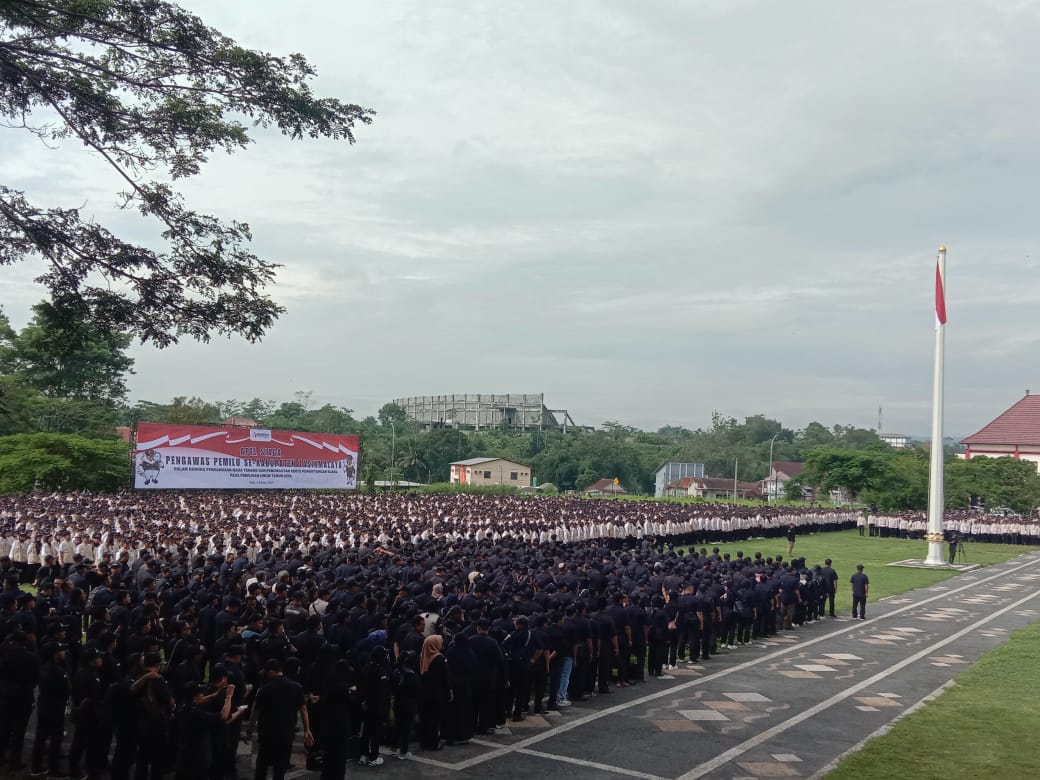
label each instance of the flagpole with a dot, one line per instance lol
(935, 477)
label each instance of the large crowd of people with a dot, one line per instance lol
(160, 625)
(1003, 527)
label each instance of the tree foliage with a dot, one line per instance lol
(63, 355)
(152, 91)
(49, 461)
(853, 471)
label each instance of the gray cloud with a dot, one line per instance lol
(647, 211)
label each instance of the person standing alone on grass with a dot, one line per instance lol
(791, 533)
(860, 590)
(830, 585)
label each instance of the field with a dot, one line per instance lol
(984, 725)
(848, 548)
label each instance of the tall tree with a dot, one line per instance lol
(63, 355)
(152, 91)
(854, 470)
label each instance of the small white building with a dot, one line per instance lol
(490, 471)
(780, 473)
(672, 471)
(898, 441)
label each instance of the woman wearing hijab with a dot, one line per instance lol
(434, 693)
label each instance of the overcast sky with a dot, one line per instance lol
(647, 211)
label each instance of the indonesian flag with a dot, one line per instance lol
(940, 297)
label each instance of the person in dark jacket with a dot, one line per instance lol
(490, 675)
(462, 662)
(336, 722)
(200, 731)
(374, 688)
(19, 671)
(434, 693)
(87, 705)
(154, 707)
(519, 651)
(50, 715)
(406, 700)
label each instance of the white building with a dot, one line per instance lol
(490, 471)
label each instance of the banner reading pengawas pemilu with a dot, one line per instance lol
(184, 457)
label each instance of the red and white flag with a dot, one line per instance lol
(940, 297)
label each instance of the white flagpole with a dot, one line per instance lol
(935, 478)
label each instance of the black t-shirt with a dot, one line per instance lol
(277, 703)
(197, 731)
(620, 617)
(558, 641)
(637, 618)
(859, 582)
(789, 586)
(603, 626)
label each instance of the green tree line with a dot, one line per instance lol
(63, 392)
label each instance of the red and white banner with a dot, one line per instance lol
(181, 457)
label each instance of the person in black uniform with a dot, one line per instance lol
(434, 693)
(490, 675)
(275, 707)
(690, 622)
(953, 546)
(606, 645)
(707, 609)
(830, 585)
(618, 612)
(860, 591)
(657, 636)
(87, 701)
(374, 688)
(200, 730)
(19, 671)
(236, 677)
(638, 620)
(50, 717)
(154, 707)
(518, 650)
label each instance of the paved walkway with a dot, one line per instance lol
(787, 707)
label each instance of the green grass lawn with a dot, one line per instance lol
(848, 548)
(985, 725)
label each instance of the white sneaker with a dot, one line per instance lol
(563, 703)
(377, 761)
(405, 756)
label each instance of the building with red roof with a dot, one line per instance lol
(780, 473)
(605, 487)
(1014, 434)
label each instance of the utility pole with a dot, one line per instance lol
(393, 451)
(771, 491)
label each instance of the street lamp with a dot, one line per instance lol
(772, 471)
(393, 451)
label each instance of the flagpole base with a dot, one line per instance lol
(935, 553)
